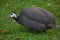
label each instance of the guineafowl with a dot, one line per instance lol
(35, 18)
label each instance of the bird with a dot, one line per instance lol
(35, 18)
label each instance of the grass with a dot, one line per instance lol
(15, 31)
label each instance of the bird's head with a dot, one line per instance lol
(13, 15)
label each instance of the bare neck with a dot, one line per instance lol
(17, 19)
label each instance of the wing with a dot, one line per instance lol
(32, 24)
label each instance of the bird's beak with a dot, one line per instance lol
(10, 16)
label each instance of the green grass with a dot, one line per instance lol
(13, 30)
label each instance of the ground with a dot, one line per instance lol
(11, 30)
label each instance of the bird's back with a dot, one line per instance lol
(35, 14)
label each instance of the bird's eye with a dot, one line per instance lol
(11, 14)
